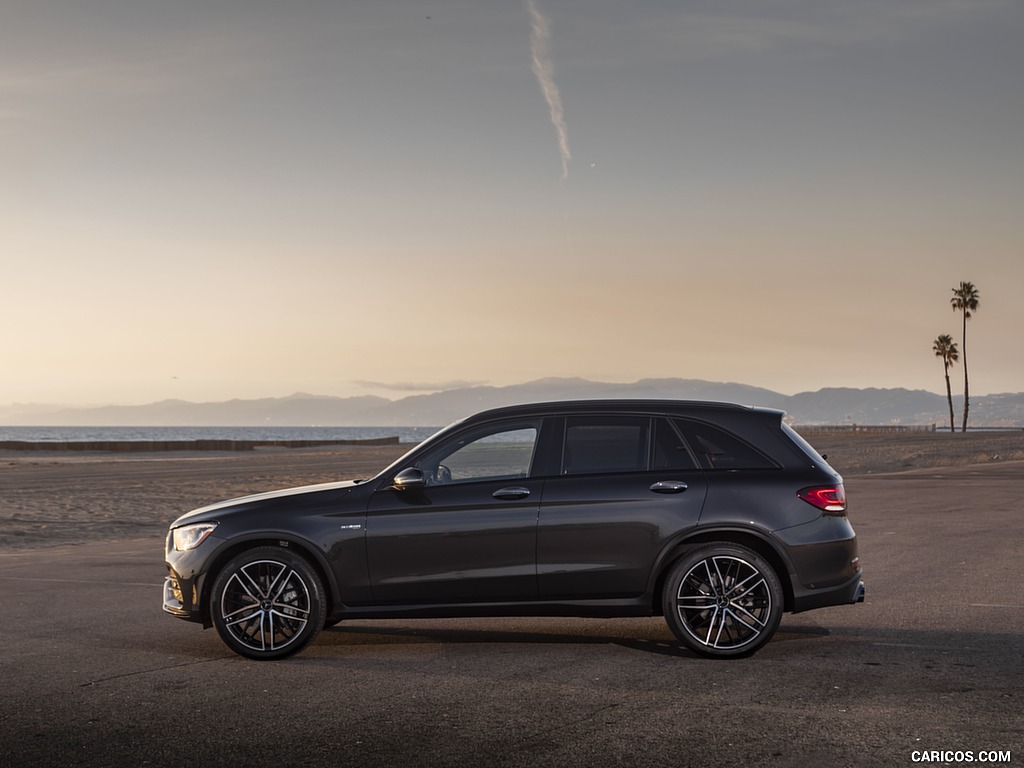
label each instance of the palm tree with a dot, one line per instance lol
(946, 349)
(965, 299)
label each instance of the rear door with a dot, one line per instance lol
(627, 484)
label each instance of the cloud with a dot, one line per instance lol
(540, 34)
(680, 31)
(411, 386)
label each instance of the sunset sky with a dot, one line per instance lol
(211, 199)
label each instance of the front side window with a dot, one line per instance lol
(597, 444)
(491, 453)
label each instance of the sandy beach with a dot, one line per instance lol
(54, 499)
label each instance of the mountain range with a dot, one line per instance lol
(825, 406)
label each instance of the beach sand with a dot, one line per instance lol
(56, 499)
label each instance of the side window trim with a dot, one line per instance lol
(657, 421)
(547, 456)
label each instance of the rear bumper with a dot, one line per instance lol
(847, 593)
(859, 595)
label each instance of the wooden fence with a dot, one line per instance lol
(844, 429)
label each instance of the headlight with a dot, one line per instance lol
(191, 536)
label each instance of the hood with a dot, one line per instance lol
(244, 502)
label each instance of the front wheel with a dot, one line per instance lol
(723, 600)
(267, 603)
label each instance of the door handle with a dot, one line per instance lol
(669, 486)
(511, 493)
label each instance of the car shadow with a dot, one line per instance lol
(657, 638)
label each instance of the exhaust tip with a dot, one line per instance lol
(858, 596)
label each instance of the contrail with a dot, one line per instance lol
(540, 32)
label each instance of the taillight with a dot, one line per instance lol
(830, 499)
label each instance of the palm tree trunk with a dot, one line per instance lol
(967, 395)
(949, 398)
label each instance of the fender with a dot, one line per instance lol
(701, 534)
(304, 546)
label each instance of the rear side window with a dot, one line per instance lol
(605, 444)
(718, 449)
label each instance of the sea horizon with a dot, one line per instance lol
(76, 434)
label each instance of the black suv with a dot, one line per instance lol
(718, 517)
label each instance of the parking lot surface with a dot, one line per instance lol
(94, 674)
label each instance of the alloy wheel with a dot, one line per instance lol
(724, 603)
(265, 605)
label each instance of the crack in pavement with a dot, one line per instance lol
(141, 672)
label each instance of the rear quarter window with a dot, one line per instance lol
(717, 449)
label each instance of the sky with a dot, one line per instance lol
(216, 199)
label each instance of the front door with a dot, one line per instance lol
(469, 534)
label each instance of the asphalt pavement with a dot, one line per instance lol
(94, 674)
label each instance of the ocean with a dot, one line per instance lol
(174, 434)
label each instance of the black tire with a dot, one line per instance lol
(723, 600)
(267, 603)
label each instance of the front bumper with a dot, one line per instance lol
(186, 575)
(181, 598)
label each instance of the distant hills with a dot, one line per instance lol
(825, 406)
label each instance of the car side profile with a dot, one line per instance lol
(717, 517)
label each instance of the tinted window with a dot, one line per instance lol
(717, 449)
(670, 451)
(605, 444)
(494, 453)
(806, 447)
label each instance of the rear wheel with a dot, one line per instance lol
(267, 603)
(723, 600)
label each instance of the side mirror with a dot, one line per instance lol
(410, 478)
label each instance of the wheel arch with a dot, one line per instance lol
(743, 537)
(267, 539)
